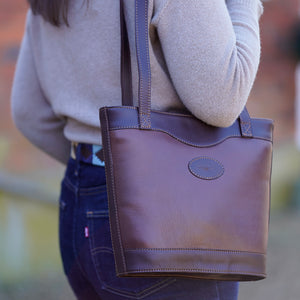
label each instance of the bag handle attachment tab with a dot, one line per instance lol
(144, 69)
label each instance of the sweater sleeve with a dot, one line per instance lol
(212, 51)
(31, 112)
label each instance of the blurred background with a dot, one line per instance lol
(30, 266)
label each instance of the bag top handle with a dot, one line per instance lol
(143, 58)
(144, 69)
(126, 74)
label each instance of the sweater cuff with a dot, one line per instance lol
(255, 5)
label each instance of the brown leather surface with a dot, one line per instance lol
(186, 128)
(112, 203)
(126, 74)
(245, 123)
(232, 214)
(166, 221)
(143, 59)
(236, 265)
(144, 192)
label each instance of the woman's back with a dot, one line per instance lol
(204, 56)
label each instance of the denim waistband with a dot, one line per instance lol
(87, 153)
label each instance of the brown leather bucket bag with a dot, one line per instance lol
(185, 198)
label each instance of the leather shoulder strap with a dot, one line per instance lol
(144, 69)
(143, 58)
(126, 74)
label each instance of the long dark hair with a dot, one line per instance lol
(53, 11)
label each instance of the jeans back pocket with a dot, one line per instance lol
(104, 263)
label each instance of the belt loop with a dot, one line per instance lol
(77, 150)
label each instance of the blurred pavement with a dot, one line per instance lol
(283, 261)
(282, 283)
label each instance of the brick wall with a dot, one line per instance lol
(12, 18)
(273, 92)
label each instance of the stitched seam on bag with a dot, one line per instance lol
(246, 128)
(179, 139)
(270, 139)
(195, 249)
(145, 120)
(114, 194)
(138, 51)
(172, 135)
(144, 117)
(197, 269)
(137, 44)
(187, 142)
(148, 63)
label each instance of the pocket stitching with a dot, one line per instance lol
(84, 191)
(138, 295)
(97, 214)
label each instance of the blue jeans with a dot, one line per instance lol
(87, 253)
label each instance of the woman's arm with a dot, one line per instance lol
(212, 51)
(31, 112)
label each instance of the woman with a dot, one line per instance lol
(204, 58)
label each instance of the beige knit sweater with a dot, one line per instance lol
(204, 56)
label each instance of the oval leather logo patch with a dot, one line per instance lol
(206, 168)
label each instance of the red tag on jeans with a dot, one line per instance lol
(86, 232)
